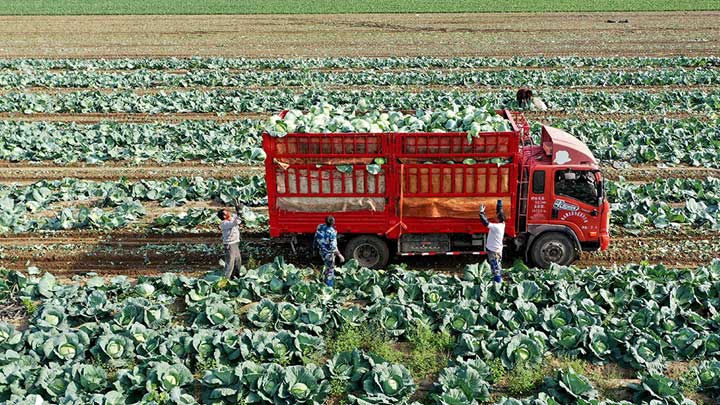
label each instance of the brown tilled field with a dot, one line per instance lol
(358, 35)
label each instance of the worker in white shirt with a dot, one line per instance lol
(230, 227)
(538, 104)
(494, 244)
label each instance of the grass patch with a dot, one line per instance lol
(425, 354)
(110, 7)
(30, 306)
(364, 338)
(525, 380)
(430, 351)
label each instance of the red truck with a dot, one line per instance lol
(419, 193)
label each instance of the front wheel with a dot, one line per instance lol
(552, 247)
(370, 251)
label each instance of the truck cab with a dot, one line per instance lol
(567, 211)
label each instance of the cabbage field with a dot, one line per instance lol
(113, 170)
(278, 335)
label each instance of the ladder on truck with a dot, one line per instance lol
(523, 192)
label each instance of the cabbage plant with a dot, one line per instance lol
(385, 384)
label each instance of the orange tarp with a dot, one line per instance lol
(452, 207)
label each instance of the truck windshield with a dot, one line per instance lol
(578, 184)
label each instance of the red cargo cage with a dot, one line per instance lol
(423, 186)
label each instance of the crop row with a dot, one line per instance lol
(636, 206)
(672, 141)
(206, 141)
(119, 203)
(144, 79)
(171, 192)
(220, 101)
(353, 63)
(264, 335)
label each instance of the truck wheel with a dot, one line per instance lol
(552, 247)
(370, 251)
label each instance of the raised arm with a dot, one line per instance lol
(483, 218)
(238, 212)
(500, 212)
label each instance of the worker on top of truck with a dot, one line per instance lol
(494, 244)
(230, 227)
(526, 99)
(326, 243)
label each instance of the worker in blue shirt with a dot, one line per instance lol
(326, 243)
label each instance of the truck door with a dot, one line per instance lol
(577, 200)
(539, 201)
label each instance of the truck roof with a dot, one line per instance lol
(565, 149)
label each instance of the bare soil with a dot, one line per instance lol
(136, 252)
(28, 172)
(647, 173)
(372, 35)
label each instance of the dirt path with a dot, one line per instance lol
(26, 172)
(125, 252)
(647, 173)
(373, 35)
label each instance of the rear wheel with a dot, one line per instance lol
(370, 251)
(552, 247)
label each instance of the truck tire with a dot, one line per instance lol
(370, 251)
(552, 247)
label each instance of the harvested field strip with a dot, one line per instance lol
(377, 35)
(168, 7)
